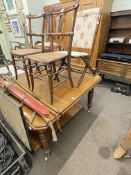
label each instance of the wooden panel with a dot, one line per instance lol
(64, 95)
(122, 22)
(112, 68)
(100, 39)
(128, 74)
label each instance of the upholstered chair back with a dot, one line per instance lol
(86, 26)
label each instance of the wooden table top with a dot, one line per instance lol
(65, 98)
(47, 57)
(64, 95)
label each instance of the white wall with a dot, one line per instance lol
(120, 5)
(36, 7)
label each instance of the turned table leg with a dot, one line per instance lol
(45, 144)
(90, 98)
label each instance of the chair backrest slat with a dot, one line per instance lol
(55, 14)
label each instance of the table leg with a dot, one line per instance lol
(90, 98)
(45, 144)
(69, 72)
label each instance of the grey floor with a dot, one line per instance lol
(86, 145)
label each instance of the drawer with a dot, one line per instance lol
(111, 68)
(87, 4)
(128, 72)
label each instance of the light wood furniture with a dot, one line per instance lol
(50, 59)
(124, 146)
(118, 60)
(106, 6)
(65, 104)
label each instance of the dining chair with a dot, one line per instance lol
(50, 59)
(85, 32)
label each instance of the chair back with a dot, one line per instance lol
(58, 22)
(55, 17)
(35, 20)
(86, 27)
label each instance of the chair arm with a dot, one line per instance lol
(60, 34)
(35, 16)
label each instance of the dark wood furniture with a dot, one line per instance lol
(19, 55)
(117, 62)
(50, 59)
(64, 108)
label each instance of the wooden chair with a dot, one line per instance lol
(19, 55)
(6, 63)
(50, 59)
(86, 27)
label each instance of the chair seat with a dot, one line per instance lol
(47, 57)
(76, 54)
(25, 52)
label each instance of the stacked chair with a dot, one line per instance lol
(85, 32)
(46, 57)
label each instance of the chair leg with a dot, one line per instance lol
(54, 69)
(50, 80)
(26, 72)
(69, 72)
(63, 62)
(81, 77)
(31, 75)
(37, 68)
(45, 143)
(14, 65)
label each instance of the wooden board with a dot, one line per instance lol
(106, 6)
(13, 115)
(34, 137)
